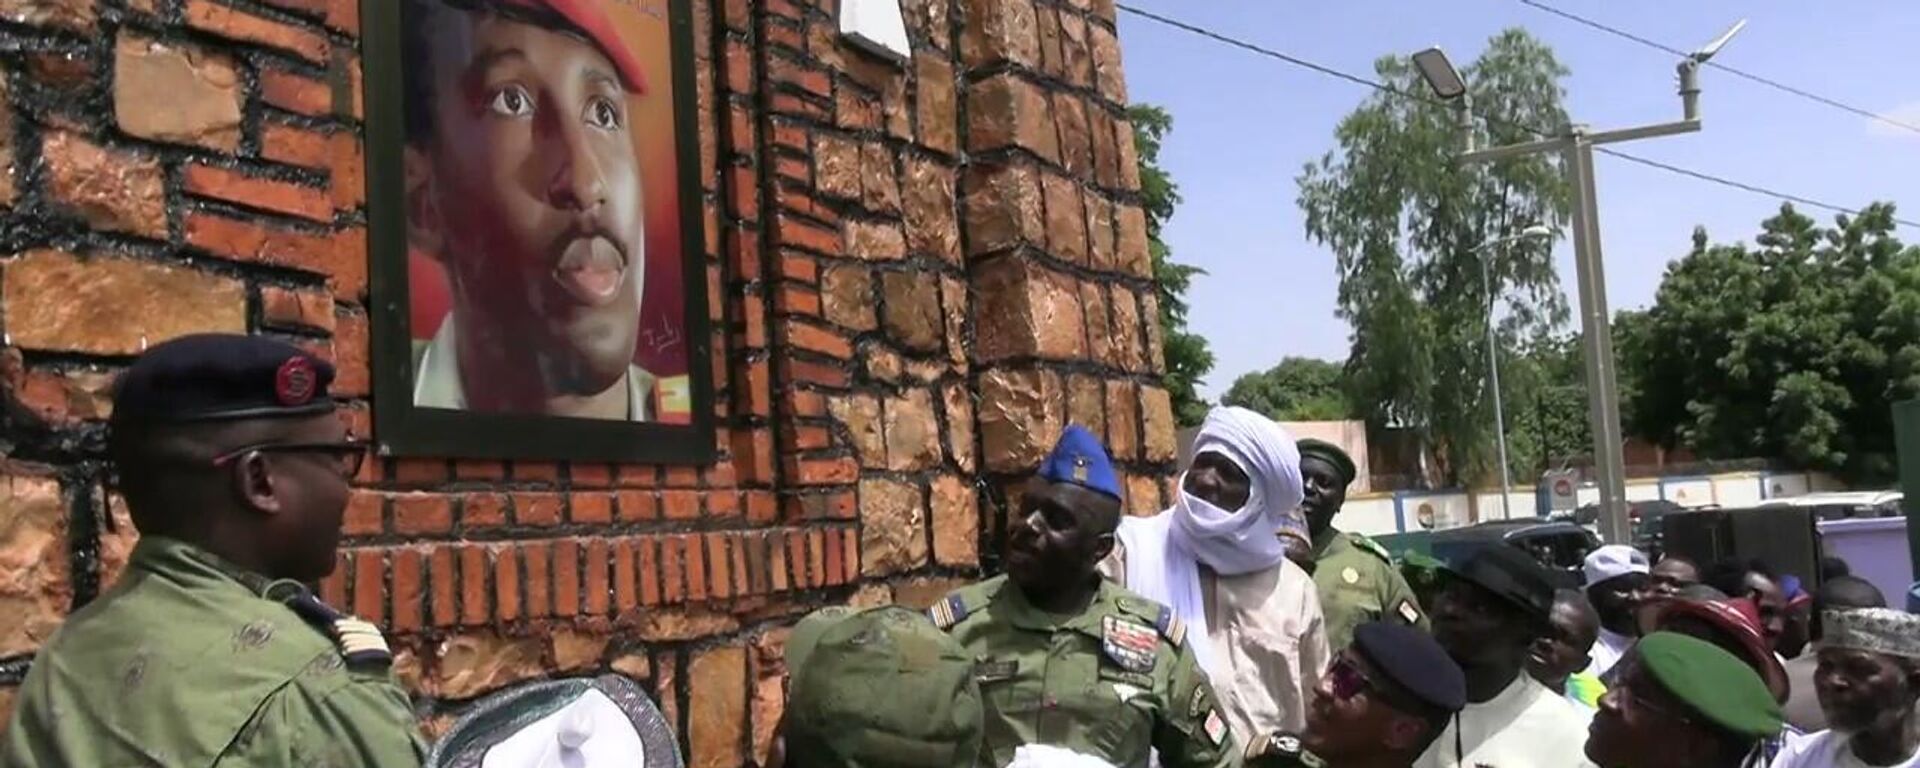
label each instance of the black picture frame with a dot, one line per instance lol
(403, 429)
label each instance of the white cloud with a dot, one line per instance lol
(1908, 113)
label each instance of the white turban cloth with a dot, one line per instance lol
(1164, 551)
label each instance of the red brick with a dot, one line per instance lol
(737, 555)
(647, 562)
(695, 553)
(540, 471)
(816, 558)
(825, 471)
(592, 507)
(370, 585)
(596, 560)
(253, 242)
(536, 508)
(473, 585)
(831, 559)
(537, 558)
(506, 582)
(349, 171)
(797, 558)
(295, 146)
(482, 510)
(625, 581)
(419, 471)
(296, 309)
(723, 505)
(637, 476)
(344, 15)
(681, 505)
(805, 437)
(296, 93)
(812, 338)
(257, 193)
(566, 578)
(351, 347)
(720, 475)
(467, 469)
(778, 577)
(441, 574)
(422, 513)
(246, 27)
(795, 265)
(407, 582)
(804, 404)
(590, 475)
(365, 515)
(638, 506)
(333, 588)
(762, 508)
(672, 570)
(800, 233)
(796, 300)
(719, 579)
(850, 562)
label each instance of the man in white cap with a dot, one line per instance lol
(1617, 582)
(573, 723)
(1868, 681)
(1218, 559)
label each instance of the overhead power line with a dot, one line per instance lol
(1770, 83)
(1385, 88)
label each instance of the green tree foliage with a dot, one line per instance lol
(1188, 358)
(1794, 347)
(1404, 218)
(1298, 389)
(1546, 401)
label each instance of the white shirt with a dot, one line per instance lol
(1525, 726)
(1828, 749)
(1608, 650)
(436, 381)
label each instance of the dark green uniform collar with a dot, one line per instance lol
(178, 559)
(1328, 543)
(1012, 606)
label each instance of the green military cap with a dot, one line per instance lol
(878, 688)
(1712, 682)
(1332, 454)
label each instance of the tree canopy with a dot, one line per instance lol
(1187, 356)
(1795, 347)
(1405, 221)
(1298, 389)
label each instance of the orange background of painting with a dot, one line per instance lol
(662, 347)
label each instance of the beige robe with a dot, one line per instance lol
(1267, 628)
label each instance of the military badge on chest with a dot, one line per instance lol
(1129, 644)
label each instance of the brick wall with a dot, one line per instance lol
(917, 276)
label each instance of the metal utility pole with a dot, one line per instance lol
(1576, 144)
(1483, 252)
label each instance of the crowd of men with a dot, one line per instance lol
(1237, 627)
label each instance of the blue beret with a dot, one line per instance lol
(218, 376)
(1413, 660)
(1078, 459)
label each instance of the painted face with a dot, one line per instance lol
(1216, 480)
(1057, 537)
(1326, 491)
(532, 201)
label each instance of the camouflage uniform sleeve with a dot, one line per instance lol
(1192, 730)
(338, 717)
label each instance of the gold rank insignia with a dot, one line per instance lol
(1079, 469)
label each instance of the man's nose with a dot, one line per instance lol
(576, 183)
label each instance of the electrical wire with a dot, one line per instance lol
(1770, 83)
(1385, 88)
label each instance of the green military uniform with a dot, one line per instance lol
(1357, 584)
(1116, 682)
(189, 661)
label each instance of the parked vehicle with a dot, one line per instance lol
(1561, 546)
(1849, 504)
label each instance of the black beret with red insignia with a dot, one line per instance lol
(221, 377)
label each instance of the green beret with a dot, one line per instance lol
(881, 688)
(1719, 686)
(1331, 454)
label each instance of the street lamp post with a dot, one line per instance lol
(1576, 144)
(1483, 251)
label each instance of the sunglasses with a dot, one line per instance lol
(348, 455)
(1346, 679)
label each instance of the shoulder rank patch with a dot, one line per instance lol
(360, 642)
(1215, 727)
(948, 611)
(1408, 611)
(1170, 626)
(1130, 645)
(1370, 546)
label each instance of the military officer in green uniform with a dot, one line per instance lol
(1355, 576)
(1067, 659)
(209, 651)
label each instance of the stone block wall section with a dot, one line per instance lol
(918, 276)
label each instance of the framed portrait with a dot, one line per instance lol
(534, 215)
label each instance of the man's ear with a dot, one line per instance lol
(254, 483)
(1102, 546)
(424, 232)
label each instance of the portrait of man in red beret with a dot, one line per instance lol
(531, 209)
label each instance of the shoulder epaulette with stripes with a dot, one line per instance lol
(360, 641)
(948, 611)
(1170, 626)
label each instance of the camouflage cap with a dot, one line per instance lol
(878, 688)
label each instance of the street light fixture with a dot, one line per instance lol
(1535, 232)
(1576, 144)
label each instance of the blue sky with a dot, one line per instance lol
(1245, 124)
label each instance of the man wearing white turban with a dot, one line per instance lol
(1218, 559)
